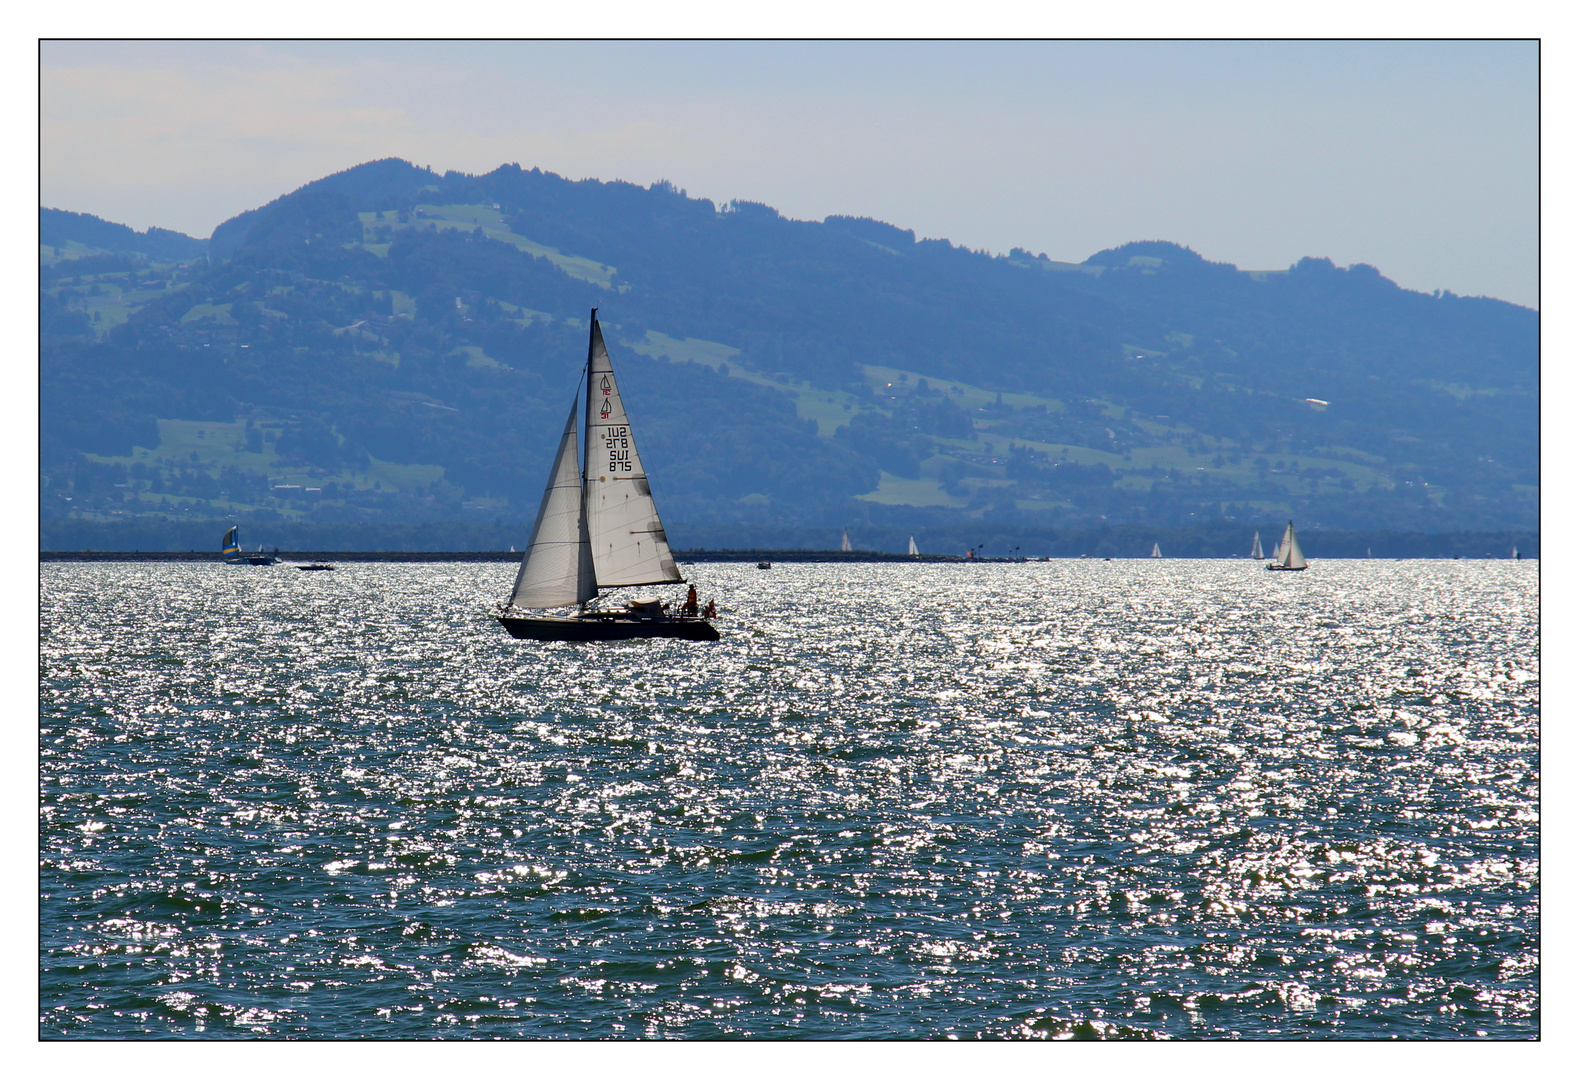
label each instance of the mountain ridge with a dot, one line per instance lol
(842, 369)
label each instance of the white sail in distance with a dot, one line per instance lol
(913, 549)
(628, 542)
(557, 567)
(844, 541)
(1255, 546)
(1156, 551)
(1288, 553)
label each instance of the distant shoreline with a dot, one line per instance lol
(498, 556)
(725, 556)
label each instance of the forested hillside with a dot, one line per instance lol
(390, 344)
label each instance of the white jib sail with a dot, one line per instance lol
(628, 543)
(1255, 546)
(557, 567)
(913, 548)
(1292, 556)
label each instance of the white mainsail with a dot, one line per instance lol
(1288, 554)
(557, 567)
(1156, 551)
(913, 549)
(1255, 546)
(844, 542)
(628, 542)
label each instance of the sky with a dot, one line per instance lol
(1419, 158)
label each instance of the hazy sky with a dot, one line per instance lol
(1419, 158)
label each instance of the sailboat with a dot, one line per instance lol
(1156, 551)
(1255, 546)
(913, 549)
(230, 551)
(1288, 556)
(597, 528)
(844, 541)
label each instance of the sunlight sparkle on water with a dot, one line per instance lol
(1048, 800)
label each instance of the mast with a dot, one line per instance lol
(586, 428)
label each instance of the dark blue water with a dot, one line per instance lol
(1073, 799)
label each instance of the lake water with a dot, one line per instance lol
(1074, 799)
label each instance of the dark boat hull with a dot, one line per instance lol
(606, 628)
(1285, 568)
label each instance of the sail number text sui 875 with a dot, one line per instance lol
(617, 441)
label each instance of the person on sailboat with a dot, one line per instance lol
(689, 607)
(712, 610)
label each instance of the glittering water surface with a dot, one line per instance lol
(1181, 799)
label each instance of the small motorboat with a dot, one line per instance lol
(315, 566)
(764, 565)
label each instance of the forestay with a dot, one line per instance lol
(557, 567)
(628, 542)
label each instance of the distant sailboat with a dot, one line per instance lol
(230, 551)
(1516, 554)
(1255, 546)
(598, 528)
(1156, 551)
(1288, 556)
(915, 551)
(844, 542)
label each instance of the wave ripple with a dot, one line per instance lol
(1048, 801)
